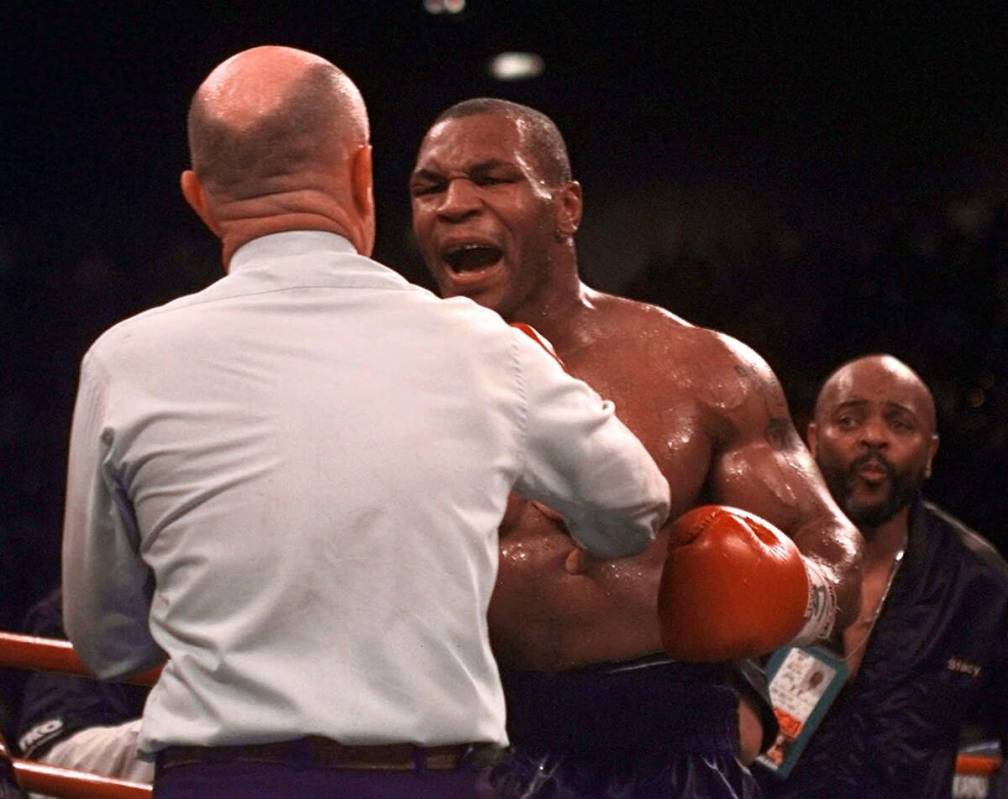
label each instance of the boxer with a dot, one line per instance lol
(595, 705)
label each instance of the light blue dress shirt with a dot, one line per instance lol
(290, 484)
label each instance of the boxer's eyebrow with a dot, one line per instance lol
(481, 167)
(425, 174)
(424, 181)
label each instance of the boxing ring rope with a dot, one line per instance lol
(33, 653)
(977, 765)
(50, 654)
(70, 784)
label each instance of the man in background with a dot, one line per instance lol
(928, 650)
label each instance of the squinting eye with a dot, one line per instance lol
(420, 191)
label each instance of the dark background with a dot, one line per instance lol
(817, 183)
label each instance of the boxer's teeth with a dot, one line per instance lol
(472, 257)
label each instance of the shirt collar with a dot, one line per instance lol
(310, 257)
(285, 244)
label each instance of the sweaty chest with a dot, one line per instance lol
(667, 418)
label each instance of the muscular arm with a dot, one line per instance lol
(760, 464)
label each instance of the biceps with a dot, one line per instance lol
(779, 483)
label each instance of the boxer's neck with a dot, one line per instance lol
(555, 309)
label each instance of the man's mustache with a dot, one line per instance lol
(874, 458)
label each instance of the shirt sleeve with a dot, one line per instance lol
(581, 460)
(106, 585)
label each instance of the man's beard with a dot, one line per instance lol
(903, 487)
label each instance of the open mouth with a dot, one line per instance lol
(472, 258)
(872, 472)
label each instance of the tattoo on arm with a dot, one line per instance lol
(779, 431)
(781, 435)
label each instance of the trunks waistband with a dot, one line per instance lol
(643, 705)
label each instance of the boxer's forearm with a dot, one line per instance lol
(835, 544)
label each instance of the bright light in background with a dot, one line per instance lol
(516, 66)
(444, 6)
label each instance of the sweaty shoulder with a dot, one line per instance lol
(715, 369)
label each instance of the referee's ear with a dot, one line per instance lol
(195, 195)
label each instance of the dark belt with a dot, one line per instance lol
(326, 753)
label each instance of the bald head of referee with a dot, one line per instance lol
(278, 140)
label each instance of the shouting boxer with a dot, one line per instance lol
(595, 708)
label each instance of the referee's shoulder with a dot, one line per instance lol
(133, 330)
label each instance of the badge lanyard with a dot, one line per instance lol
(804, 682)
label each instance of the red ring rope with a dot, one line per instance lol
(70, 784)
(51, 654)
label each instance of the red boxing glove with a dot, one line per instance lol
(539, 339)
(735, 586)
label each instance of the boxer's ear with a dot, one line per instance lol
(568, 205)
(812, 437)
